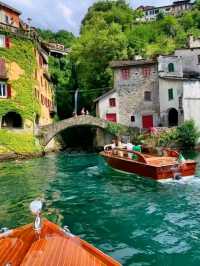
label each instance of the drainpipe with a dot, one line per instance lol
(76, 102)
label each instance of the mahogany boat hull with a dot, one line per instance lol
(53, 247)
(150, 171)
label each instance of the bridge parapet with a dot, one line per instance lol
(46, 133)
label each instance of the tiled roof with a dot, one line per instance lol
(123, 63)
(104, 95)
(9, 7)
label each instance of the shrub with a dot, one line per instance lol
(114, 128)
(187, 134)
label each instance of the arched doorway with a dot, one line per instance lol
(12, 120)
(173, 117)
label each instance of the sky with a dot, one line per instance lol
(63, 14)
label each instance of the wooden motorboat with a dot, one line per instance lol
(46, 243)
(157, 167)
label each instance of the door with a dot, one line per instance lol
(173, 117)
(111, 117)
(147, 121)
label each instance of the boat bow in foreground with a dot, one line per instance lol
(47, 244)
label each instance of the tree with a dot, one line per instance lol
(93, 51)
(63, 37)
(112, 12)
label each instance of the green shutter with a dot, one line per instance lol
(170, 94)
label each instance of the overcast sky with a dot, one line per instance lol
(63, 14)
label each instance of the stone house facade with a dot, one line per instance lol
(179, 87)
(150, 93)
(135, 92)
(108, 106)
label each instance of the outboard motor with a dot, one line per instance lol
(176, 173)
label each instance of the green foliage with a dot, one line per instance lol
(187, 134)
(23, 102)
(23, 99)
(61, 73)
(111, 12)
(18, 142)
(115, 129)
(167, 138)
(93, 51)
(62, 37)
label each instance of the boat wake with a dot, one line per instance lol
(183, 180)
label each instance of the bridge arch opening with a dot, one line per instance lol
(79, 138)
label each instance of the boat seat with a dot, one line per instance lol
(161, 161)
(60, 251)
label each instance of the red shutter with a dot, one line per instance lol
(7, 42)
(42, 99)
(146, 72)
(125, 73)
(2, 68)
(112, 102)
(111, 117)
(9, 92)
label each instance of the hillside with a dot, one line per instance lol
(110, 31)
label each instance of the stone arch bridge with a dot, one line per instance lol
(46, 133)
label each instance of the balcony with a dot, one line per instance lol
(21, 32)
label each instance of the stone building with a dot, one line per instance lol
(176, 8)
(134, 101)
(107, 106)
(179, 87)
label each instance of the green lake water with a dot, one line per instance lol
(135, 220)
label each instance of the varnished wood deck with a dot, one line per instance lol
(53, 248)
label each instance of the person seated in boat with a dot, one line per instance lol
(111, 146)
(120, 145)
(129, 147)
(137, 148)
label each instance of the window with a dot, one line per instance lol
(125, 73)
(170, 94)
(2, 41)
(3, 90)
(7, 20)
(171, 67)
(112, 102)
(180, 102)
(147, 96)
(132, 118)
(146, 72)
(199, 59)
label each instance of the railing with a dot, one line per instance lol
(29, 33)
(124, 154)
